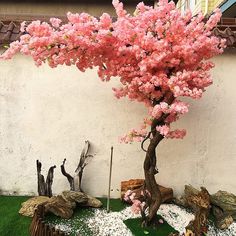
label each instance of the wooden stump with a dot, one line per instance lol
(132, 184)
(136, 186)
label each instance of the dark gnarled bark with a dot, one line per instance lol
(45, 188)
(152, 191)
(75, 181)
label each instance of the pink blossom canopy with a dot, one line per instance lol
(152, 52)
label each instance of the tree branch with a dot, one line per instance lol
(145, 139)
(68, 176)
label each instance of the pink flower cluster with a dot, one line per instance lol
(177, 107)
(137, 134)
(154, 51)
(166, 132)
(137, 205)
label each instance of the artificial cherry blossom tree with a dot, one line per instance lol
(158, 54)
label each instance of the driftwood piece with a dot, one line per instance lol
(222, 220)
(136, 185)
(75, 181)
(28, 207)
(45, 188)
(59, 206)
(199, 201)
(223, 205)
(223, 208)
(225, 201)
(132, 184)
(68, 176)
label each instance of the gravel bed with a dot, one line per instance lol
(111, 224)
(179, 218)
(102, 223)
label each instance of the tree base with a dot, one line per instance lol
(154, 222)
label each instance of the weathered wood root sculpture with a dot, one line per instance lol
(136, 187)
(200, 203)
(45, 187)
(75, 181)
(222, 205)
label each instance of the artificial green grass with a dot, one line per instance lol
(11, 222)
(115, 204)
(161, 230)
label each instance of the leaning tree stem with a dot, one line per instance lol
(152, 191)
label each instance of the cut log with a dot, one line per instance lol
(166, 194)
(136, 185)
(75, 181)
(131, 184)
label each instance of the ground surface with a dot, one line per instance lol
(11, 223)
(121, 221)
(97, 222)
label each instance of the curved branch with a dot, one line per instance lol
(82, 163)
(68, 176)
(83, 156)
(144, 140)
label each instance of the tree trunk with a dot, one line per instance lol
(152, 192)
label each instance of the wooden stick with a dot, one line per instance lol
(109, 185)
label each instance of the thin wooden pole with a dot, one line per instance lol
(109, 185)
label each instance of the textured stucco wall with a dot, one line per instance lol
(47, 114)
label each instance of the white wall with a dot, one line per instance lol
(47, 114)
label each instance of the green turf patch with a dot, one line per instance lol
(161, 230)
(115, 204)
(11, 222)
